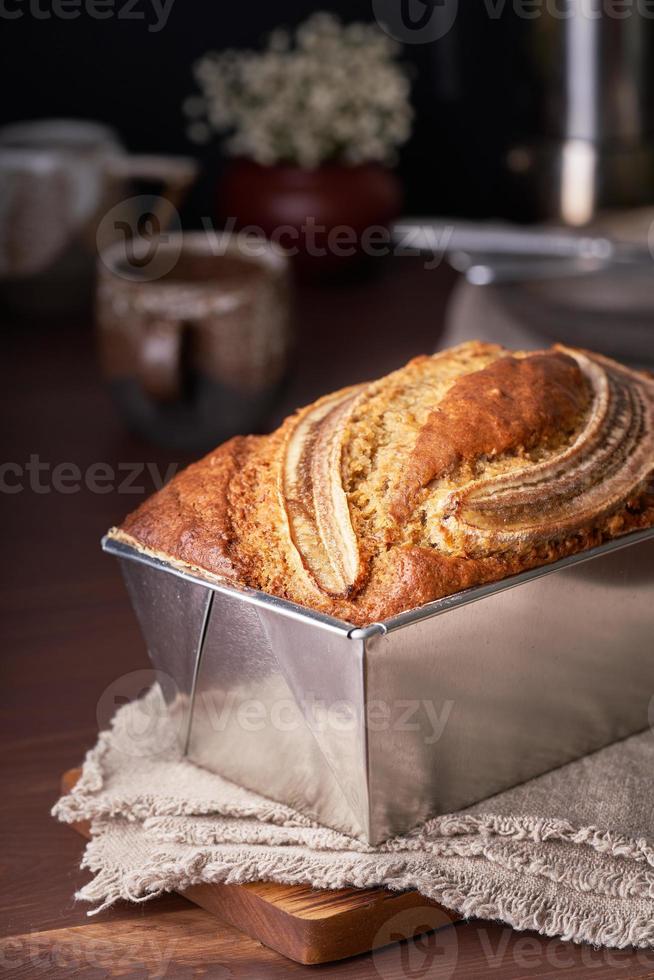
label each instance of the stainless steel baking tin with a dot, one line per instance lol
(373, 730)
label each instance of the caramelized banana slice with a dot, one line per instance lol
(610, 459)
(314, 500)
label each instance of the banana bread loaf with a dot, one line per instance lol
(458, 469)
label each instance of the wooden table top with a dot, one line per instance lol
(68, 632)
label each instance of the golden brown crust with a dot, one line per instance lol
(515, 402)
(189, 519)
(458, 469)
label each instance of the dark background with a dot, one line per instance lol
(67, 631)
(472, 89)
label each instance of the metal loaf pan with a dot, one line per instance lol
(371, 731)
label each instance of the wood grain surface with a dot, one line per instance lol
(68, 634)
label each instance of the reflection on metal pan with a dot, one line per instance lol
(373, 730)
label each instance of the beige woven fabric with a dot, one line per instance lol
(570, 854)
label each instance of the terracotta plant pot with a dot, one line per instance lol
(329, 219)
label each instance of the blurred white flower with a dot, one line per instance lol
(198, 132)
(279, 40)
(194, 106)
(327, 92)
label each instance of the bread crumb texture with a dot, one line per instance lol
(459, 469)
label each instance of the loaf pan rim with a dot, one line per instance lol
(437, 607)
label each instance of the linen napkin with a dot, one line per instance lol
(569, 854)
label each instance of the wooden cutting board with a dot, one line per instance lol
(311, 925)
